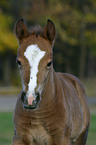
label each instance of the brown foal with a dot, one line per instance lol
(51, 108)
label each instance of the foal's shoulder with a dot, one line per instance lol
(66, 77)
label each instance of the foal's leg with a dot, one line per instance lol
(81, 140)
(66, 141)
(16, 141)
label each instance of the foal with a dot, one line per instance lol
(51, 108)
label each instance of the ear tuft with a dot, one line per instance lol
(49, 31)
(21, 30)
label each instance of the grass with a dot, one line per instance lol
(92, 131)
(90, 86)
(6, 129)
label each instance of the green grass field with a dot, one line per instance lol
(6, 129)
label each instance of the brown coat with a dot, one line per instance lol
(62, 117)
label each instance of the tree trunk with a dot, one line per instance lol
(91, 65)
(83, 50)
(6, 70)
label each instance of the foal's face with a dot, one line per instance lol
(34, 62)
(34, 59)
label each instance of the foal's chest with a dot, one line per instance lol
(40, 136)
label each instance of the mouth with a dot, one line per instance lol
(35, 102)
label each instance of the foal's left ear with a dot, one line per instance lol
(21, 30)
(49, 31)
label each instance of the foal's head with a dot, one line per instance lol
(34, 60)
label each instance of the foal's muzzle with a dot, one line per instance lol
(34, 103)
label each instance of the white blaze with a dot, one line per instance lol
(34, 55)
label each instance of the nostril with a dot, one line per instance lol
(37, 97)
(23, 96)
(30, 102)
(37, 94)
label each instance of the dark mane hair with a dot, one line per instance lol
(36, 30)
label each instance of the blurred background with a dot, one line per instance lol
(74, 50)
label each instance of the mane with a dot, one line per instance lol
(37, 30)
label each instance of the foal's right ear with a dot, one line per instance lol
(21, 30)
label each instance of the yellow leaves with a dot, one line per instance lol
(65, 35)
(91, 41)
(90, 17)
(5, 21)
(59, 7)
(91, 36)
(8, 41)
(7, 38)
(66, 38)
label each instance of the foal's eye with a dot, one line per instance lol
(19, 63)
(49, 64)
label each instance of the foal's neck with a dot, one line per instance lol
(49, 87)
